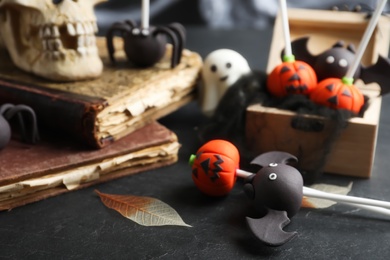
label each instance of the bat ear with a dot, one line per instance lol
(351, 48)
(338, 44)
(273, 157)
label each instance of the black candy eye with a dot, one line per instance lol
(56, 2)
(213, 68)
(228, 65)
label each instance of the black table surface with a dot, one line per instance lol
(77, 225)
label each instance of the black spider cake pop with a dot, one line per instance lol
(146, 47)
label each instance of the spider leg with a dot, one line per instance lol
(5, 107)
(174, 39)
(121, 27)
(5, 129)
(18, 110)
(130, 23)
(181, 33)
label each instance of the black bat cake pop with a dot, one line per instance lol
(334, 63)
(277, 191)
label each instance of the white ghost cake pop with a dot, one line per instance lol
(221, 69)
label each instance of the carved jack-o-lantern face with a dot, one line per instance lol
(214, 167)
(335, 94)
(295, 77)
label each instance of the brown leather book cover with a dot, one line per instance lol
(29, 173)
(101, 111)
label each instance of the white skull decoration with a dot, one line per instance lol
(54, 39)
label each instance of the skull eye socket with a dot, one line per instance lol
(213, 68)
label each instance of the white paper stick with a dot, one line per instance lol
(380, 210)
(344, 198)
(366, 38)
(145, 15)
(286, 29)
(362, 206)
(243, 174)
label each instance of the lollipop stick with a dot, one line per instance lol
(376, 209)
(343, 198)
(243, 174)
(366, 37)
(145, 15)
(286, 29)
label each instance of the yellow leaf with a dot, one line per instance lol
(145, 211)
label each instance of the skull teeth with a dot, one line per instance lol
(55, 31)
(54, 44)
(71, 30)
(80, 29)
(46, 31)
(84, 39)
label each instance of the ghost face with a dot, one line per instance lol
(221, 69)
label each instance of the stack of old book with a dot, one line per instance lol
(105, 128)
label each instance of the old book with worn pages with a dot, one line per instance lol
(103, 110)
(29, 173)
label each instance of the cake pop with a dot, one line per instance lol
(341, 93)
(292, 76)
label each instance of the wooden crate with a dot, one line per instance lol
(272, 129)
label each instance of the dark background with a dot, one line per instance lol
(77, 225)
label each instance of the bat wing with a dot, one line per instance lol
(273, 157)
(269, 229)
(301, 52)
(379, 73)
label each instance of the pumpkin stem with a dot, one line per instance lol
(347, 81)
(289, 58)
(191, 159)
